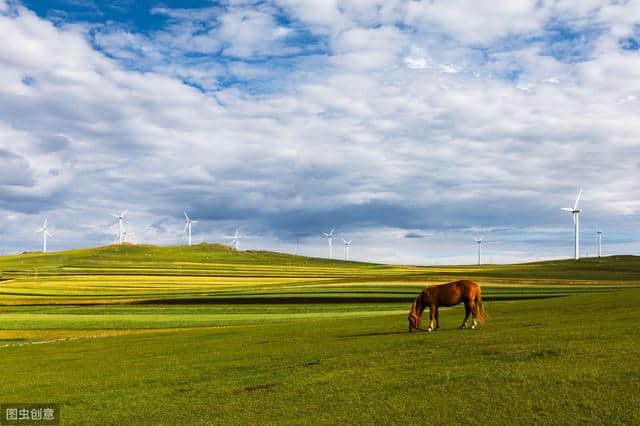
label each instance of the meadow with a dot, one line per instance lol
(206, 334)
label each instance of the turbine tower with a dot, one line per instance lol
(479, 241)
(576, 224)
(330, 238)
(45, 233)
(236, 239)
(599, 234)
(188, 225)
(347, 245)
(121, 223)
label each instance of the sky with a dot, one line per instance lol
(409, 126)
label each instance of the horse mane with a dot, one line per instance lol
(419, 304)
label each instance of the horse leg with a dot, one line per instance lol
(474, 312)
(437, 319)
(432, 317)
(467, 311)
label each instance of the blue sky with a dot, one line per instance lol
(410, 126)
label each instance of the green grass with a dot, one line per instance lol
(206, 334)
(563, 360)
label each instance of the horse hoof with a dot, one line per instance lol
(429, 330)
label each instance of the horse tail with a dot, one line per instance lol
(481, 313)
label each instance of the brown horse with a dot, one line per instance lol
(448, 295)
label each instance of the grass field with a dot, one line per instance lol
(205, 334)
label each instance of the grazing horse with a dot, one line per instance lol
(448, 295)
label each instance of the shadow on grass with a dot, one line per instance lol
(387, 333)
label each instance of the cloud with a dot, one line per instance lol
(248, 33)
(294, 117)
(415, 235)
(207, 47)
(53, 143)
(14, 170)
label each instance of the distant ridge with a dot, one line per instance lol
(129, 253)
(208, 257)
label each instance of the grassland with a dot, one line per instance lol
(205, 334)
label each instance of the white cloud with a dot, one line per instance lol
(467, 21)
(476, 23)
(449, 69)
(551, 80)
(416, 63)
(354, 137)
(248, 33)
(322, 16)
(367, 48)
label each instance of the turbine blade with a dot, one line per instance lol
(123, 213)
(115, 215)
(185, 227)
(577, 199)
(49, 234)
(567, 209)
(185, 215)
(194, 221)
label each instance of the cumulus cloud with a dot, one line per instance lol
(386, 120)
(247, 33)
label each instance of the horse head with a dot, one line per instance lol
(415, 315)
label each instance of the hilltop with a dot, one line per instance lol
(222, 260)
(146, 255)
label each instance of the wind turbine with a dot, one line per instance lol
(576, 222)
(121, 222)
(599, 234)
(45, 233)
(479, 241)
(330, 238)
(347, 245)
(188, 225)
(236, 239)
(125, 234)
